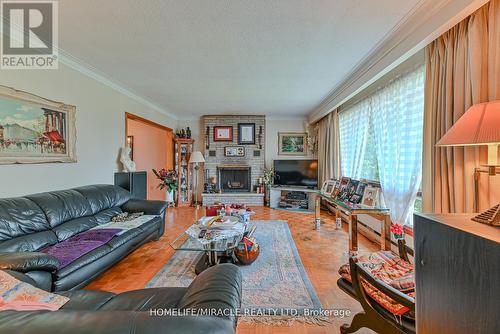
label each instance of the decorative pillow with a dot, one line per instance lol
(126, 216)
(20, 296)
(405, 283)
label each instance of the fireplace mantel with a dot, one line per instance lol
(254, 154)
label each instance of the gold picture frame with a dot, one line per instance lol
(292, 143)
(35, 130)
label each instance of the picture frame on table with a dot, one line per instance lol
(246, 133)
(342, 191)
(358, 193)
(370, 197)
(328, 186)
(223, 133)
(355, 199)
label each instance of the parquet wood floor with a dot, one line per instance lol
(322, 253)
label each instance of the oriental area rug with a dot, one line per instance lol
(276, 288)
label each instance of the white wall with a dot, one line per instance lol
(100, 126)
(273, 127)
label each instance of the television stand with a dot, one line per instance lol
(292, 198)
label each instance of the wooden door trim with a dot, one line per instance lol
(132, 117)
(142, 120)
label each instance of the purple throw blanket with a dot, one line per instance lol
(78, 245)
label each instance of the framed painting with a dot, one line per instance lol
(34, 129)
(292, 143)
(223, 133)
(246, 133)
(234, 151)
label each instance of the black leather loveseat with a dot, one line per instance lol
(208, 306)
(31, 223)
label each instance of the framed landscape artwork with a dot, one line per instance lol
(34, 129)
(292, 143)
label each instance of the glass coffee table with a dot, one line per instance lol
(216, 239)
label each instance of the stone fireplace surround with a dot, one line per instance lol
(254, 158)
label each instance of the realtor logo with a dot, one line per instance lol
(29, 35)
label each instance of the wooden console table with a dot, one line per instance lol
(352, 211)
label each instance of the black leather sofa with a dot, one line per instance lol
(141, 311)
(31, 223)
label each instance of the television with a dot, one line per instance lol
(303, 173)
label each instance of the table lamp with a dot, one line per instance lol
(196, 158)
(480, 125)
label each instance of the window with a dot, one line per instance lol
(381, 139)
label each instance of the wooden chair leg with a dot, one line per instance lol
(371, 321)
(359, 321)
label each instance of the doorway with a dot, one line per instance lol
(153, 147)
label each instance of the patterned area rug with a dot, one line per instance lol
(276, 288)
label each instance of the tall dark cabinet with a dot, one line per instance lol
(457, 275)
(135, 182)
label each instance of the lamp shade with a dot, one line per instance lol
(480, 125)
(196, 157)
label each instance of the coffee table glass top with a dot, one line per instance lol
(220, 236)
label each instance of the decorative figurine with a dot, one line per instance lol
(128, 164)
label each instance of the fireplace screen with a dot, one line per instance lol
(234, 179)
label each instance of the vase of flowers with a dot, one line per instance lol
(397, 230)
(268, 180)
(168, 181)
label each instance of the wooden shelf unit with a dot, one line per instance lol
(183, 149)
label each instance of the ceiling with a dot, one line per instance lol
(195, 57)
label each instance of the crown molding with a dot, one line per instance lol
(286, 118)
(427, 20)
(90, 71)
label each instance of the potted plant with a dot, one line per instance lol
(268, 180)
(168, 181)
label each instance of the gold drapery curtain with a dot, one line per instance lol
(463, 68)
(328, 147)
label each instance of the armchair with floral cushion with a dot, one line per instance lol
(384, 285)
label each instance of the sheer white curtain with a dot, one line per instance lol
(353, 126)
(397, 118)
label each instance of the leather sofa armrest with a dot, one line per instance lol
(109, 322)
(39, 279)
(28, 261)
(146, 206)
(218, 287)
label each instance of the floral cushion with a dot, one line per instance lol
(20, 296)
(392, 270)
(405, 283)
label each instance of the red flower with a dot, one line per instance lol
(168, 178)
(397, 229)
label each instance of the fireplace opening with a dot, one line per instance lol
(234, 179)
